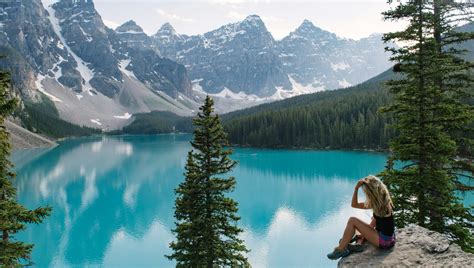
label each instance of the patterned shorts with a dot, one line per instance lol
(386, 242)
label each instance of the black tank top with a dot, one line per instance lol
(385, 225)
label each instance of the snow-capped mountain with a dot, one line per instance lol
(243, 58)
(319, 58)
(99, 77)
(95, 76)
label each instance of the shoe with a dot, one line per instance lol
(336, 254)
(354, 239)
(355, 248)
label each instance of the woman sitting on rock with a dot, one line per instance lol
(383, 236)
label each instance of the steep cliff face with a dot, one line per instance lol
(85, 34)
(416, 246)
(239, 56)
(140, 59)
(94, 75)
(33, 49)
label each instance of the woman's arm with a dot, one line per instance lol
(373, 223)
(355, 202)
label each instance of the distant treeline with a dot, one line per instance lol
(340, 119)
(157, 123)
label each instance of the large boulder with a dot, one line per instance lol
(416, 246)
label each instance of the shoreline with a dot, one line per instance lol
(312, 148)
(21, 138)
(57, 141)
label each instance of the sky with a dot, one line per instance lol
(347, 18)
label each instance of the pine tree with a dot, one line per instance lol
(430, 111)
(206, 227)
(13, 216)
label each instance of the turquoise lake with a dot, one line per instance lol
(113, 199)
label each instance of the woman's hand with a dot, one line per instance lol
(359, 183)
(355, 202)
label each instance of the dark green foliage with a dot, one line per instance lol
(432, 119)
(157, 123)
(345, 118)
(13, 216)
(206, 227)
(42, 117)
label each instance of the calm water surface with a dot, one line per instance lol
(113, 200)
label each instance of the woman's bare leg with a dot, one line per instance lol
(353, 224)
(361, 240)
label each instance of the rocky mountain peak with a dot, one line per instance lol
(307, 24)
(129, 27)
(76, 3)
(167, 34)
(308, 28)
(253, 21)
(167, 29)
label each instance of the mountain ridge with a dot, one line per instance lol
(99, 77)
(275, 58)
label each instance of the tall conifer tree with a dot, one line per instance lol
(206, 227)
(430, 112)
(13, 216)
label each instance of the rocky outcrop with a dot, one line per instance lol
(416, 246)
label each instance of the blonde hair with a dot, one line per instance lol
(378, 197)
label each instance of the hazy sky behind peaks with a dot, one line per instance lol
(346, 18)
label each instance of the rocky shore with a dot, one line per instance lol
(21, 138)
(415, 247)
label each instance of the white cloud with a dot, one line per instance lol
(172, 16)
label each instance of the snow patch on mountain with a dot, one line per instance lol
(296, 90)
(126, 116)
(197, 87)
(299, 89)
(85, 71)
(339, 66)
(280, 93)
(96, 121)
(123, 67)
(57, 69)
(229, 94)
(129, 32)
(39, 85)
(343, 83)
